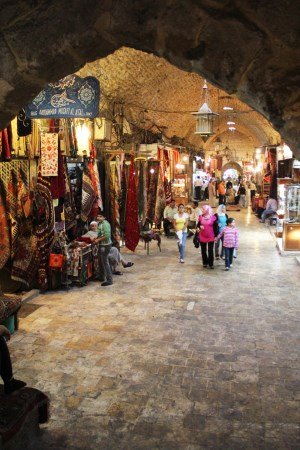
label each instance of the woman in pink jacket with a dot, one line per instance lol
(207, 235)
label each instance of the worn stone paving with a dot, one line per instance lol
(172, 356)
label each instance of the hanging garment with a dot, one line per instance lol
(5, 147)
(4, 231)
(88, 195)
(24, 125)
(49, 155)
(153, 171)
(44, 231)
(160, 198)
(132, 232)
(12, 209)
(24, 201)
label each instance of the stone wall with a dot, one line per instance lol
(247, 47)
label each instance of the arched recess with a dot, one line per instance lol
(232, 165)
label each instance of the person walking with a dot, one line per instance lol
(242, 194)
(222, 193)
(252, 188)
(105, 243)
(197, 188)
(221, 222)
(207, 236)
(180, 225)
(230, 241)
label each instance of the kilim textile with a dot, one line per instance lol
(123, 197)
(88, 195)
(57, 183)
(132, 232)
(142, 191)
(69, 203)
(9, 304)
(14, 410)
(153, 171)
(44, 228)
(4, 231)
(26, 258)
(49, 154)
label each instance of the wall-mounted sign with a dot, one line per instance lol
(70, 97)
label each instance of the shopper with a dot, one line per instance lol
(252, 188)
(207, 236)
(194, 216)
(230, 241)
(197, 188)
(105, 244)
(271, 208)
(6, 372)
(169, 212)
(180, 225)
(221, 220)
(242, 194)
(222, 193)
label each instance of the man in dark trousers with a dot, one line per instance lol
(10, 384)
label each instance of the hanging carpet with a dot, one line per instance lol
(45, 227)
(69, 203)
(123, 197)
(153, 171)
(142, 191)
(88, 195)
(132, 232)
(12, 209)
(26, 259)
(57, 183)
(4, 231)
(160, 198)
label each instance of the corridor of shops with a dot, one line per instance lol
(172, 356)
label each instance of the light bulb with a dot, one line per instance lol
(152, 170)
(231, 128)
(230, 123)
(227, 108)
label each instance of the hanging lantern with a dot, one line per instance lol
(205, 117)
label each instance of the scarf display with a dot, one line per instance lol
(132, 232)
(45, 227)
(153, 172)
(4, 231)
(49, 155)
(88, 195)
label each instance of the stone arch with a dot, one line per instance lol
(232, 165)
(44, 41)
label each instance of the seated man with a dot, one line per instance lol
(10, 384)
(271, 208)
(169, 212)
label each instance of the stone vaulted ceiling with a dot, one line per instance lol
(168, 95)
(246, 47)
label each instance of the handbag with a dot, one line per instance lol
(196, 241)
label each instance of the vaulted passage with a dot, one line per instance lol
(247, 48)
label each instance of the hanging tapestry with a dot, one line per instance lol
(114, 192)
(96, 185)
(160, 198)
(24, 201)
(142, 198)
(49, 154)
(26, 260)
(88, 195)
(4, 231)
(153, 170)
(57, 184)
(69, 204)
(12, 209)
(45, 227)
(24, 127)
(132, 232)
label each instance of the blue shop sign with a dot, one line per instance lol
(72, 96)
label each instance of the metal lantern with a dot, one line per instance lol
(205, 117)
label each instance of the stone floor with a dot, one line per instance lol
(172, 356)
